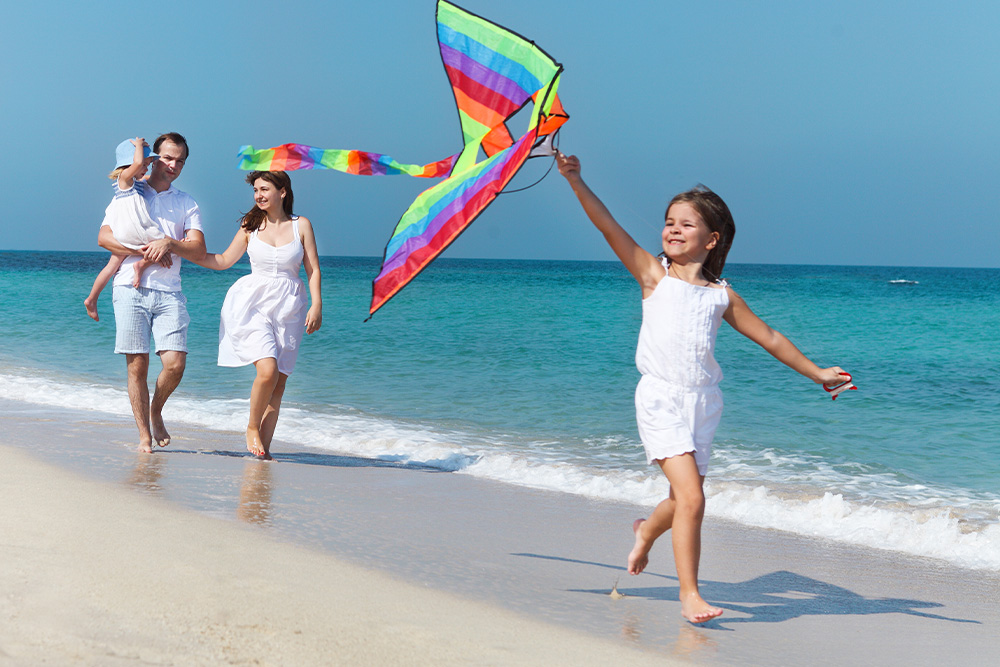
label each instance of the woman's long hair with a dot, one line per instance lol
(255, 217)
(716, 215)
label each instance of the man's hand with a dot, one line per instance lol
(158, 251)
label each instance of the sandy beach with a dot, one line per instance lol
(200, 555)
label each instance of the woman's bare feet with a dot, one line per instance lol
(91, 306)
(253, 442)
(696, 610)
(638, 558)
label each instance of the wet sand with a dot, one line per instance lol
(198, 554)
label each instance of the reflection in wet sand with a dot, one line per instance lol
(632, 628)
(146, 473)
(694, 643)
(255, 493)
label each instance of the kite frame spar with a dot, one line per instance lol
(494, 73)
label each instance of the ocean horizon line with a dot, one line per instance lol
(376, 258)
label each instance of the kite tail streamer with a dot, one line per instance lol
(289, 157)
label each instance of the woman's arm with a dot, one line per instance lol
(310, 259)
(231, 255)
(643, 266)
(741, 318)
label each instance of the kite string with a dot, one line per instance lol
(555, 145)
(510, 192)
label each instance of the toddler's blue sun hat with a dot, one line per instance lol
(126, 151)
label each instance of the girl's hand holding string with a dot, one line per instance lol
(569, 166)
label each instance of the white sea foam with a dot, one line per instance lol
(753, 487)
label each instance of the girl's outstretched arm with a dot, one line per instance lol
(643, 266)
(310, 259)
(741, 318)
(229, 257)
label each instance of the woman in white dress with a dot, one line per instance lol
(266, 312)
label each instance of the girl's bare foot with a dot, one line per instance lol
(91, 306)
(138, 269)
(696, 610)
(639, 556)
(253, 442)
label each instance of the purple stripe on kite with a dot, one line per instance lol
(419, 227)
(315, 157)
(466, 189)
(491, 58)
(460, 196)
(434, 225)
(484, 76)
(419, 233)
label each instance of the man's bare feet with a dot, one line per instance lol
(91, 306)
(145, 444)
(253, 443)
(639, 556)
(160, 435)
(696, 610)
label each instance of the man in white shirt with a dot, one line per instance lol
(157, 308)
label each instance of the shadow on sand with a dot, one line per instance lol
(773, 598)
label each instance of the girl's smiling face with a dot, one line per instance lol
(686, 237)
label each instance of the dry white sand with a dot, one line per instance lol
(97, 574)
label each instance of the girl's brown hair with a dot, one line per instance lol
(716, 215)
(255, 217)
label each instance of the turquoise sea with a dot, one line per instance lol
(523, 372)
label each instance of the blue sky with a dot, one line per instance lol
(848, 133)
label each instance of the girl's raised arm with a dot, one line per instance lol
(229, 257)
(310, 259)
(741, 318)
(140, 163)
(643, 266)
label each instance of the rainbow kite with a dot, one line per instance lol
(494, 73)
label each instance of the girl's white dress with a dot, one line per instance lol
(678, 403)
(264, 314)
(128, 216)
